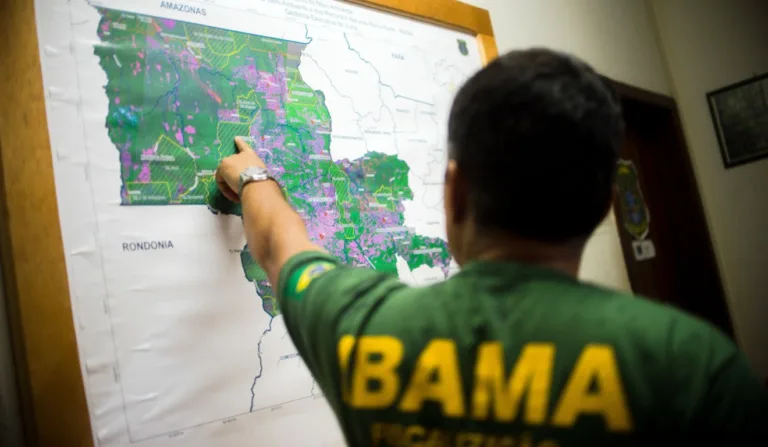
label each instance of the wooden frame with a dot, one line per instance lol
(626, 91)
(717, 123)
(51, 389)
(446, 13)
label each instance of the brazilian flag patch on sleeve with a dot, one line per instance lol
(303, 277)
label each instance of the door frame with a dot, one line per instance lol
(629, 93)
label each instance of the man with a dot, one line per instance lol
(513, 350)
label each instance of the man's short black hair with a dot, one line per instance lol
(536, 134)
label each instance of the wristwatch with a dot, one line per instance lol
(253, 174)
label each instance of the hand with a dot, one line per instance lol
(228, 173)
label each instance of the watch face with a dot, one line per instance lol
(252, 174)
(255, 171)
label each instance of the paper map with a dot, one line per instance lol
(180, 335)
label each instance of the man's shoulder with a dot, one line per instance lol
(662, 323)
(679, 349)
(637, 310)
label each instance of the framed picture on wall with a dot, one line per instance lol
(740, 116)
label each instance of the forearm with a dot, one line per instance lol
(274, 231)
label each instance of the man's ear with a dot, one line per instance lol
(456, 194)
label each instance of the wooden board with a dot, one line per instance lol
(35, 277)
(448, 13)
(51, 391)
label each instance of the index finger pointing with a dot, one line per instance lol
(241, 145)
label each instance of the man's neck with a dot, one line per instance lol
(564, 258)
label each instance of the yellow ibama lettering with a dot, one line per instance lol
(596, 363)
(532, 373)
(368, 368)
(437, 360)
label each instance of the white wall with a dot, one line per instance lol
(603, 261)
(617, 37)
(709, 44)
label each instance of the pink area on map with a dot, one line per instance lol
(148, 151)
(248, 72)
(324, 227)
(190, 129)
(117, 100)
(377, 239)
(137, 68)
(277, 170)
(141, 54)
(190, 58)
(159, 67)
(266, 81)
(278, 142)
(168, 23)
(191, 140)
(228, 115)
(179, 137)
(167, 127)
(329, 190)
(153, 43)
(354, 253)
(144, 175)
(255, 129)
(105, 26)
(190, 117)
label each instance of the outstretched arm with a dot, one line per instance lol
(319, 298)
(274, 231)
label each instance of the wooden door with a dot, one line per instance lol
(683, 272)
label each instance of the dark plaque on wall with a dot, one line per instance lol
(740, 116)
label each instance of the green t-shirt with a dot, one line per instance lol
(505, 355)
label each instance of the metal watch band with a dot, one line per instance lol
(258, 180)
(254, 175)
